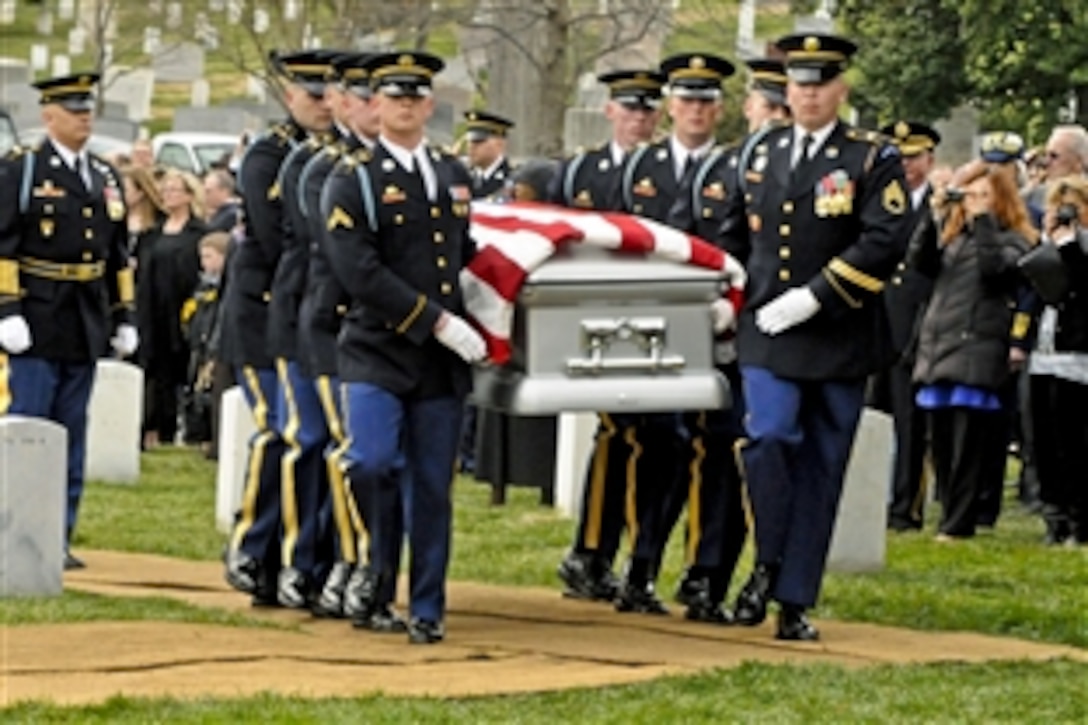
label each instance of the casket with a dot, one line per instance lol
(597, 330)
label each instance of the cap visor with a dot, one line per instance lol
(77, 105)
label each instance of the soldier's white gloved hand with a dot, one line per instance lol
(789, 309)
(125, 340)
(14, 334)
(458, 335)
(722, 315)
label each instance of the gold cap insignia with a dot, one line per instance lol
(902, 129)
(811, 44)
(697, 62)
(406, 60)
(472, 116)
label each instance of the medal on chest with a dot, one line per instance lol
(834, 195)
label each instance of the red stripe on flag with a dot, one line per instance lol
(558, 231)
(499, 271)
(636, 236)
(705, 254)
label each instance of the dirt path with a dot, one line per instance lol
(500, 640)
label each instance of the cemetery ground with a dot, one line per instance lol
(1004, 583)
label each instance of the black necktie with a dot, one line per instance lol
(804, 159)
(688, 172)
(78, 168)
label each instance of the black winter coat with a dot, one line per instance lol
(964, 337)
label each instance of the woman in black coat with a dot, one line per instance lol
(1058, 371)
(171, 274)
(962, 360)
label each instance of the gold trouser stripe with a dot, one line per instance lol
(631, 509)
(746, 500)
(5, 383)
(695, 485)
(337, 486)
(362, 544)
(256, 457)
(596, 483)
(288, 482)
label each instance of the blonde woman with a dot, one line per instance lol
(173, 270)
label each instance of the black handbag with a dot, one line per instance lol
(1044, 268)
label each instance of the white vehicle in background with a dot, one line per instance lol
(192, 151)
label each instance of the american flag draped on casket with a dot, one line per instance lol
(515, 239)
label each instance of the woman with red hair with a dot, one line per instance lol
(962, 361)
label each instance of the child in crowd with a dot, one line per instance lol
(198, 319)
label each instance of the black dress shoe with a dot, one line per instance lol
(587, 577)
(330, 601)
(72, 562)
(794, 625)
(241, 571)
(901, 526)
(424, 631)
(640, 598)
(293, 589)
(702, 606)
(381, 618)
(690, 590)
(751, 606)
(265, 592)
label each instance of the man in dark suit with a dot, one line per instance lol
(253, 554)
(590, 180)
(65, 283)
(397, 237)
(486, 134)
(819, 223)
(905, 299)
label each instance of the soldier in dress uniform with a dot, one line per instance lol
(398, 237)
(716, 535)
(813, 327)
(905, 299)
(304, 431)
(321, 312)
(766, 99)
(654, 178)
(486, 134)
(66, 290)
(589, 180)
(253, 554)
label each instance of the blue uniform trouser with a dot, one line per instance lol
(800, 433)
(257, 532)
(340, 527)
(59, 392)
(304, 484)
(404, 450)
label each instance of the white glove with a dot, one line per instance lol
(789, 309)
(125, 340)
(14, 334)
(722, 315)
(458, 335)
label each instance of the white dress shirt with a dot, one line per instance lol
(409, 159)
(819, 137)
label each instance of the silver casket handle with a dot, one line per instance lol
(647, 333)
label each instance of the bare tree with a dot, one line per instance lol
(539, 49)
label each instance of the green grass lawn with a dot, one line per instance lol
(1004, 582)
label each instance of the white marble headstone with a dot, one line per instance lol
(859, 539)
(113, 422)
(33, 499)
(574, 446)
(236, 428)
